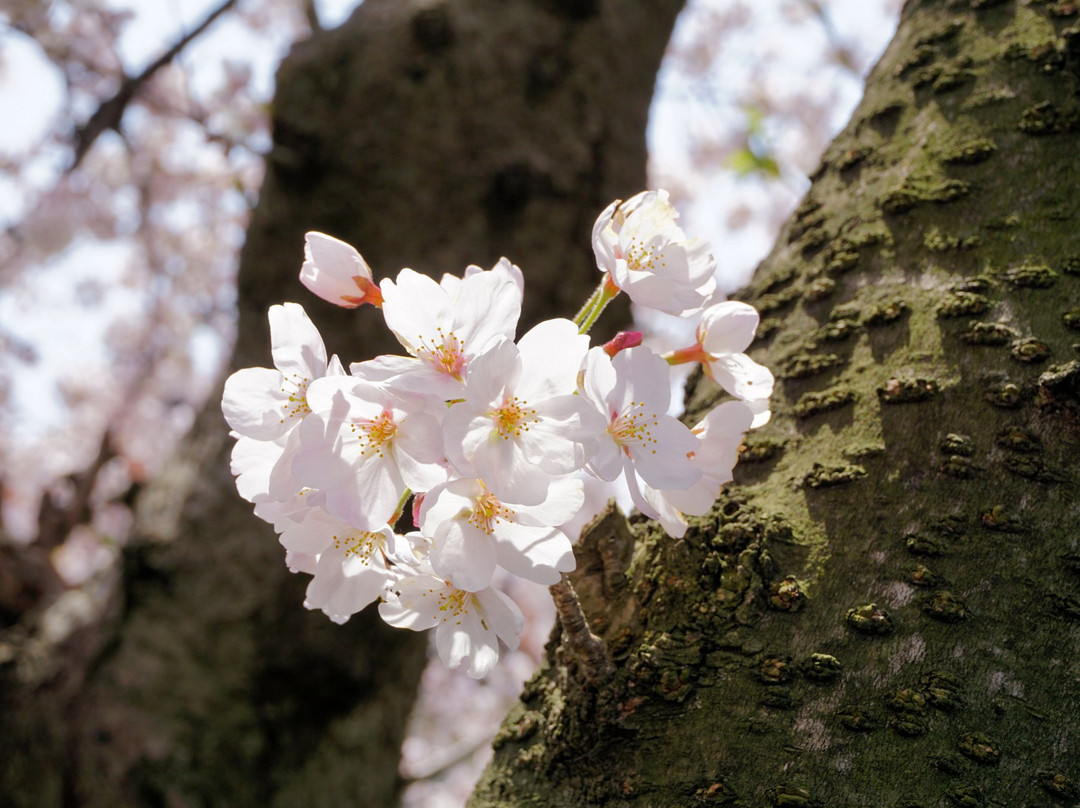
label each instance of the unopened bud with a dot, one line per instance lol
(621, 341)
(418, 500)
(337, 273)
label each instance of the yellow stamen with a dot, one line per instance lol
(375, 434)
(363, 544)
(488, 512)
(633, 427)
(513, 417)
(295, 387)
(445, 353)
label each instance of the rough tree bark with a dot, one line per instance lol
(884, 610)
(430, 134)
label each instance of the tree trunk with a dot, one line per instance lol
(883, 610)
(428, 134)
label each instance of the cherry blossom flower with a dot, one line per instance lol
(641, 439)
(520, 422)
(468, 625)
(649, 257)
(724, 333)
(337, 273)
(264, 406)
(252, 462)
(284, 513)
(362, 448)
(351, 568)
(444, 326)
(495, 439)
(472, 531)
(452, 283)
(264, 403)
(720, 431)
(301, 562)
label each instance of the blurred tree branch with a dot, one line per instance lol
(110, 113)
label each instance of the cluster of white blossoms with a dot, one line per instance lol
(491, 437)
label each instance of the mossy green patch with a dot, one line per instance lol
(1030, 351)
(888, 311)
(969, 152)
(936, 241)
(814, 403)
(940, 33)
(915, 192)
(869, 619)
(907, 390)
(1030, 276)
(826, 476)
(989, 334)
(804, 365)
(1048, 118)
(962, 304)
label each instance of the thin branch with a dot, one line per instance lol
(27, 580)
(109, 114)
(312, 14)
(843, 53)
(56, 521)
(588, 648)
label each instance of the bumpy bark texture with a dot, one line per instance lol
(883, 611)
(428, 134)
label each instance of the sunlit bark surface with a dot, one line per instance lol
(884, 610)
(431, 135)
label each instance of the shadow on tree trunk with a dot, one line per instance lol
(430, 135)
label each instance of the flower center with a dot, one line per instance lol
(374, 434)
(487, 513)
(513, 417)
(640, 257)
(632, 428)
(362, 544)
(454, 602)
(295, 387)
(445, 353)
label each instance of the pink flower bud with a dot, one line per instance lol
(337, 273)
(621, 341)
(417, 503)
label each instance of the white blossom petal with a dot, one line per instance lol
(335, 271)
(649, 257)
(539, 554)
(487, 305)
(551, 355)
(295, 343)
(251, 462)
(741, 376)
(257, 405)
(727, 327)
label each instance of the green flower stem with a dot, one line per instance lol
(590, 304)
(400, 507)
(597, 302)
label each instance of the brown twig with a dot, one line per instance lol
(110, 112)
(55, 521)
(586, 646)
(843, 53)
(312, 14)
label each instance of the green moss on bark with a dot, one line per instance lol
(935, 577)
